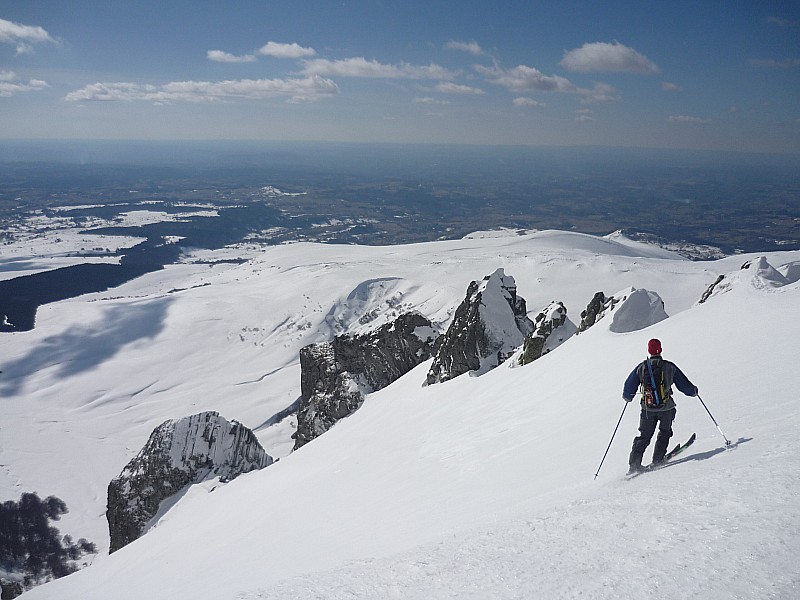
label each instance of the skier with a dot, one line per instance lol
(658, 409)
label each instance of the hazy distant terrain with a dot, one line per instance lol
(389, 194)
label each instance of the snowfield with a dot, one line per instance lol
(480, 487)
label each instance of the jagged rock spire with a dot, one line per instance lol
(487, 327)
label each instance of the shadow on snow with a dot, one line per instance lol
(706, 455)
(84, 347)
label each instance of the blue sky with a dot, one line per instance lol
(700, 74)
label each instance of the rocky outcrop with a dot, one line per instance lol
(552, 328)
(710, 290)
(487, 327)
(632, 309)
(635, 310)
(10, 589)
(179, 453)
(758, 273)
(595, 310)
(336, 376)
(329, 393)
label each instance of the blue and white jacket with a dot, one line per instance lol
(672, 374)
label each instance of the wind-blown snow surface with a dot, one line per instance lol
(481, 487)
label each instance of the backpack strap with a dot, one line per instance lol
(653, 381)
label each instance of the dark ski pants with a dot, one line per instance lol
(648, 420)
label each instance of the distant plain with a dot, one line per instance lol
(390, 194)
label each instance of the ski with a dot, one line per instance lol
(679, 448)
(669, 455)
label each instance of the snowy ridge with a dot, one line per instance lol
(636, 310)
(475, 484)
(767, 275)
(371, 303)
(791, 271)
(758, 273)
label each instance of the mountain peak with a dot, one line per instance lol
(489, 324)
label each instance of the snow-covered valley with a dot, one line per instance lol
(478, 487)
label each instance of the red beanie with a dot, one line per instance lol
(654, 347)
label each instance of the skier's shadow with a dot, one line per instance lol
(707, 455)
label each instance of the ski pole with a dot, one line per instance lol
(612, 439)
(727, 441)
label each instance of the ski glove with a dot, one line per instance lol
(627, 399)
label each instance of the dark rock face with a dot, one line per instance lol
(10, 589)
(596, 307)
(707, 294)
(552, 329)
(179, 453)
(487, 327)
(329, 392)
(335, 376)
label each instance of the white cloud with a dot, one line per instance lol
(526, 79)
(670, 87)
(278, 50)
(603, 57)
(523, 101)
(583, 115)
(687, 119)
(447, 87)
(781, 22)
(274, 49)
(361, 67)
(471, 47)
(429, 100)
(770, 63)
(307, 89)
(9, 86)
(601, 92)
(224, 57)
(107, 92)
(24, 36)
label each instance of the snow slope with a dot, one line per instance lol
(475, 488)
